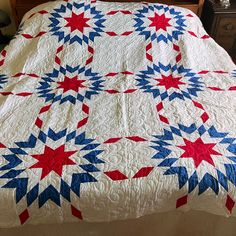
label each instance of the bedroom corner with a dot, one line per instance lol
(6, 6)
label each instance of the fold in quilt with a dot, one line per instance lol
(114, 111)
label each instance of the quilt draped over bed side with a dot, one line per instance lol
(114, 111)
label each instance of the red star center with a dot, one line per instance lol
(53, 160)
(169, 81)
(159, 21)
(77, 22)
(199, 151)
(71, 84)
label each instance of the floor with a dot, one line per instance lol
(163, 224)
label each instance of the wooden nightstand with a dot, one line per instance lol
(220, 23)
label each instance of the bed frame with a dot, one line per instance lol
(20, 7)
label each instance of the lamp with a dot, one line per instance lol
(4, 21)
(225, 3)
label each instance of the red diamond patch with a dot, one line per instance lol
(115, 175)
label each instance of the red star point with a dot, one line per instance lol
(77, 22)
(159, 22)
(169, 82)
(199, 151)
(53, 160)
(71, 84)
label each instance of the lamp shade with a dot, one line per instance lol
(4, 19)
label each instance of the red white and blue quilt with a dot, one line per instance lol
(113, 111)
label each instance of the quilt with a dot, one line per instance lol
(114, 111)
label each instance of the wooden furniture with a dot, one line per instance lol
(220, 23)
(4, 21)
(20, 7)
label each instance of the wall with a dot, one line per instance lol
(5, 5)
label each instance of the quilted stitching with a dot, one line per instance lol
(112, 111)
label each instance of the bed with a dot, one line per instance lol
(115, 111)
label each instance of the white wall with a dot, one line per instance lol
(5, 5)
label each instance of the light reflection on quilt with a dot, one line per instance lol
(113, 111)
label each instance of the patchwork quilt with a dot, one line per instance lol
(113, 111)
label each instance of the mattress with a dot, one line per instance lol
(113, 111)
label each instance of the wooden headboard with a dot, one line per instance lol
(20, 7)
